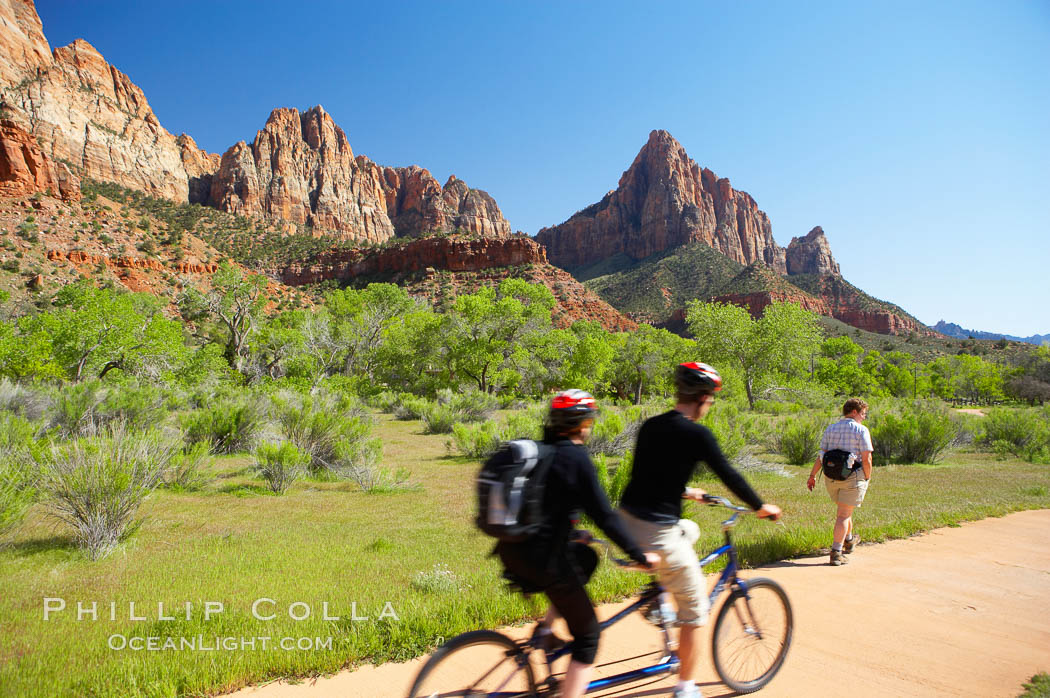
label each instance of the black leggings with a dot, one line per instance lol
(564, 586)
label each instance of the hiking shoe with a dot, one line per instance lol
(692, 692)
(850, 543)
(838, 558)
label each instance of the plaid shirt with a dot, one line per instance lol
(846, 435)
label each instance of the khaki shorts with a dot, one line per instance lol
(850, 491)
(679, 568)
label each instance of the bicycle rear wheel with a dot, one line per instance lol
(477, 664)
(752, 635)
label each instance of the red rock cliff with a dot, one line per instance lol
(301, 168)
(664, 200)
(25, 170)
(472, 262)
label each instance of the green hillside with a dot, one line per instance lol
(835, 287)
(654, 287)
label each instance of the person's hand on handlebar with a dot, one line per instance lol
(769, 511)
(694, 493)
(652, 560)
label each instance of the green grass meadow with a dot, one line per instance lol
(329, 542)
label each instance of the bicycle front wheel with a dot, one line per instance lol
(752, 635)
(477, 664)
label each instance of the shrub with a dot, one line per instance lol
(74, 411)
(620, 477)
(16, 489)
(279, 464)
(410, 407)
(615, 434)
(438, 418)
(798, 440)
(334, 432)
(724, 423)
(376, 480)
(471, 406)
(919, 434)
(96, 484)
(1022, 433)
(20, 400)
(226, 428)
(185, 469)
(477, 441)
(137, 406)
(527, 424)
(385, 401)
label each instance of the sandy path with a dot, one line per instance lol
(958, 611)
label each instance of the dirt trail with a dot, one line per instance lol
(958, 611)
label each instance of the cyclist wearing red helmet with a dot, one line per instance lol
(668, 449)
(550, 561)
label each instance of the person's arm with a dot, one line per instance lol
(865, 452)
(865, 463)
(811, 483)
(712, 454)
(596, 505)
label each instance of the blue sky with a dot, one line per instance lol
(916, 134)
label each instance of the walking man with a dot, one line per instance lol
(852, 437)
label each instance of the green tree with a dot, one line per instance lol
(644, 359)
(485, 330)
(779, 343)
(93, 331)
(233, 307)
(839, 368)
(361, 320)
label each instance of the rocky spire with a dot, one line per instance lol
(664, 200)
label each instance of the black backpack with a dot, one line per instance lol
(838, 464)
(510, 490)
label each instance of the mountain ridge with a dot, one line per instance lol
(951, 329)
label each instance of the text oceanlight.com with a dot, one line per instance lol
(216, 643)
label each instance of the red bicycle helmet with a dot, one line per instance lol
(569, 408)
(695, 378)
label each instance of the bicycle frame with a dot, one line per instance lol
(669, 663)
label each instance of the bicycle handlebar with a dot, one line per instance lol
(713, 500)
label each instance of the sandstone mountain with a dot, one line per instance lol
(84, 112)
(664, 200)
(300, 168)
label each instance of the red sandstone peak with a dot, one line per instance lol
(300, 168)
(665, 200)
(811, 254)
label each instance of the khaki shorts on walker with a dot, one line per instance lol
(850, 491)
(679, 569)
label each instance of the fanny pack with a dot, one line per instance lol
(838, 464)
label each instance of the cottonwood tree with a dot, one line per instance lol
(643, 361)
(484, 331)
(93, 331)
(234, 305)
(839, 369)
(361, 319)
(778, 343)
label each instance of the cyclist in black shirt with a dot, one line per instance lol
(665, 457)
(551, 561)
